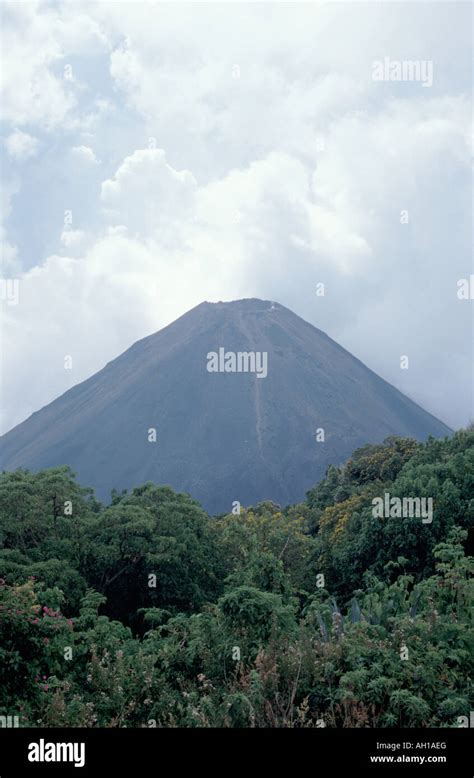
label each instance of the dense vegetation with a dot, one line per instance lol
(148, 612)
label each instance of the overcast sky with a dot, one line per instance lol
(158, 155)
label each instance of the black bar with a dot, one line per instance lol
(157, 752)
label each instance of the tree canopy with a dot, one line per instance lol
(148, 612)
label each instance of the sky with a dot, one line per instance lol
(155, 155)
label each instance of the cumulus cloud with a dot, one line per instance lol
(243, 155)
(148, 194)
(71, 238)
(20, 145)
(37, 83)
(85, 154)
(9, 261)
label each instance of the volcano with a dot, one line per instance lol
(234, 401)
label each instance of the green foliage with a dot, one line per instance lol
(314, 614)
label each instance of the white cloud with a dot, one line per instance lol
(238, 236)
(71, 238)
(20, 145)
(85, 154)
(36, 85)
(148, 195)
(264, 184)
(9, 260)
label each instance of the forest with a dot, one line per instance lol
(147, 612)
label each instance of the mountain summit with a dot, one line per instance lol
(224, 403)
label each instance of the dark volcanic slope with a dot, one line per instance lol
(220, 436)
